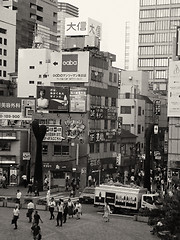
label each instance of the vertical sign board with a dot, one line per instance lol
(77, 99)
(174, 89)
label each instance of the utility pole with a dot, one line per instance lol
(149, 132)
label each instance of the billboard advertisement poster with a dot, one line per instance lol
(13, 108)
(52, 99)
(174, 89)
(53, 133)
(69, 67)
(83, 27)
(77, 99)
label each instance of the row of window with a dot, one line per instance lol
(158, 74)
(96, 124)
(3, 63)
(157, 38)
(159, 13)
(97, 101)
(151, 50)
(150, 62)
(3, 73)
(127, 110)
(3, 42)
(3, 52)
(95, 147)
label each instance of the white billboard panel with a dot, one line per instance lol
(174, 89)
(69, 67)
(82, 27)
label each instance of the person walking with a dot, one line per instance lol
(16, 213)
(65, 212)
(30, 208)
(78, 209)
(70, 206)
(60, 209)
(18, 197)
(107, 212)
(36, 189)
(36, 231)
(30, 186)
(48, 196)
(37, 218)
(52, 205)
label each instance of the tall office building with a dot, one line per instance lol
(34, 17)
(158, 20)
(65, 10)
(7, 44)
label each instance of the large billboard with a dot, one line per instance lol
(52, 99)
(174, 89)
(83, 27)
(13, 108)
(69, 67)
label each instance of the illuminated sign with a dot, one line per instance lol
(77, 99)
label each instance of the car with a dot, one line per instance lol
(87, 195)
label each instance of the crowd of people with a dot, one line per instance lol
(64, 209)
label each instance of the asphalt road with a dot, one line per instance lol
(90, 227)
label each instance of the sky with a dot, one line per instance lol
(113, 15)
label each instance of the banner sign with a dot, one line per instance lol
(102, 136)
(52, 98)
(53, 133)
(77, 99)
(69, 67)
(83, 27)
(13, 108)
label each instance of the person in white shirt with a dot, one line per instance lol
(78, 209)
(30, 208)
(60, 208)
(18, 196)
(52, 205)
(15, 216)
(42, 103)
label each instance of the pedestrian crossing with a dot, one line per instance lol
(62, 196)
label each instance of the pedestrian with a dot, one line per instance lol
(16, 213)
(30, 186)
(36, 189)
(52, 205)
(37, 218)
(18, 197)
(77, 183)
(78, 210)
(70, 206)
(36, 231)
(60, 209)
(24, 179)
(30, 208)
(65, 212)
(107, 212)
(73, 186)
(48, 196)
(67, 184)
(4, 181)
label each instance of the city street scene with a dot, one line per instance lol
(90, 119)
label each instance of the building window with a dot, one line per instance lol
(39, 18)
(40, 62)
(40, 76)
(113, 102)
(106, 102)
(5, 146)
(110, 76)
(125, 109)
(113, 124)
(112, 147)
(115, 77)
(126, 127)
(39, 8)
(4, 73)
(5, 52)
(65, 150)
(5, 41)
(0, 62)
(31, 67)
(127, 95)
(0, 51)
(45, 149)
(139, 129)
(105, 124)
(91, 147)
(57, 149)
(5, 63)
(139, 111)
(0, 73)
(0, 40)
(3, 31)
(31, 82)
(105, 147)
(97, 147)
(39, 83)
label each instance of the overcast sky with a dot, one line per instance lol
(113, 15)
